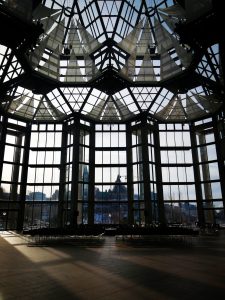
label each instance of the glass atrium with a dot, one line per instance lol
(111, 112)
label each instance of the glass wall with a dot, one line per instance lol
(110, 174)
(142, 173)
(42, 193)
(207, 161)
(177, 174)
(11, 156)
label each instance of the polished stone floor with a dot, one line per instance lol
(111, 271)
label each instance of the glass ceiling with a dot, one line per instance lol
(109, 60)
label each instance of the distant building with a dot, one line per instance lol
(118, 192)
(36, 196)
(55, 195)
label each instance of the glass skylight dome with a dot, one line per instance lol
(110, 61)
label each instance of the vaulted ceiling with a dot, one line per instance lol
(109, 60)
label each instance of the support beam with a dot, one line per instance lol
(3, 132)
(24, 178)
(201, 217)
(220, 157)
(62, 179)
(209, 216)
(91, 187)
(146, 175)
(16, 167)
(158, 172)
(130, 192)
(75, 175)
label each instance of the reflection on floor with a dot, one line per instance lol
(112, 271)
